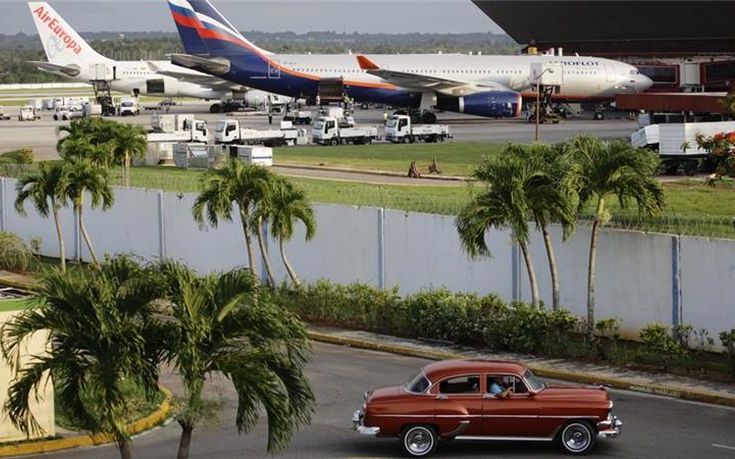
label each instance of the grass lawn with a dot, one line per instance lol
(454, 158)
(14, 305)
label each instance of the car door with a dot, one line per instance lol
(459, 401)
(514, 416)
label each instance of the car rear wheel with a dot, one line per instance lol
(419, 441)
(577, 438)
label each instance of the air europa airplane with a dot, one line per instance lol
(71, 57)
(490, 86)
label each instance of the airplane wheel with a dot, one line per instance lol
(598, 116)
(428, 118)
(215, 108)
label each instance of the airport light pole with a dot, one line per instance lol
(538, 99)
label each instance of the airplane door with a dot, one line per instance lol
(274, 70)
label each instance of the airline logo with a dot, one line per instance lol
(61, 39)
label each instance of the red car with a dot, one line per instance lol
(486, 400)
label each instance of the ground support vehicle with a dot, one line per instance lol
(486, 400)
(129, 107)
(191, 130)
(170, 123)
(327, 131)
(400, 129)
(676, 143)
(232, 133)
(4, 116)
(68, 113)
(28, 113)
(299, 117)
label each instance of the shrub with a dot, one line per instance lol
(728, 342)
(14, 255)
(607, 336)
(660, 347)
(21, 156)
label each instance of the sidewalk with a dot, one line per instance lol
(620, 378)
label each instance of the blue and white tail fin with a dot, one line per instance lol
(62, 44)
(204, 30)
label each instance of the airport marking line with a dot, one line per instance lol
(723, 446)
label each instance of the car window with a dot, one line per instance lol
(460, 385)
(418, 384)
(499, 383)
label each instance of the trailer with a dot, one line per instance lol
(231, 132)
(676, 143)
(327, 131)
(192, 131)
(400, 129)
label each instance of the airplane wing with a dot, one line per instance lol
(199, 78)
(70, 70)
(418, 81)
(216, 65)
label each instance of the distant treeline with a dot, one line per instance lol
(15, 50)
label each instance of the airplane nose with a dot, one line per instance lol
(643, 83)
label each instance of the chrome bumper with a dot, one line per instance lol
(358, 424)
(610, 428)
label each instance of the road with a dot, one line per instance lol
(655, 427)
(41, 135)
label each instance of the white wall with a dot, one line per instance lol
(641, 278)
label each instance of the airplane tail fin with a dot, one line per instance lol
(61, 43)
(204, 30)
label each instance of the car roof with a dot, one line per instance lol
(440, 370)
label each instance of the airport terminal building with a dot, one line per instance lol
(682, 45)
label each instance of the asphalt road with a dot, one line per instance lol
(41, 135)
(655, 427)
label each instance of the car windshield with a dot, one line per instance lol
(318, 125)
(127, 104)
(220, 126)
(392, 122)
(418, 384)
(534, 383)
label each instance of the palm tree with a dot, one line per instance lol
(502, 204)
(235, 183)
(287, 205)
(82, 148)
(614, 169)
(45, 188)
(218, 325)
(84, 177)
(130, 141)
(101, 336)
(550, 199)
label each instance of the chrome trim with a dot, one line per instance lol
(409, 415)
(510, 416)
(504, 438)
(609, 428)
(358, 423)
(458, 431)
(567, 417)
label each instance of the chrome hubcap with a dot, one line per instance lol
(419, 441)
(576, 437)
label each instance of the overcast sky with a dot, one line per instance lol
(442, 16)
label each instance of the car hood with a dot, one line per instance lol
(576, 393)
(386, 393)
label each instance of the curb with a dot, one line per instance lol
(47, 446)
(311, 167)
(616, 383)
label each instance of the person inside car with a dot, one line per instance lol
(495, 388)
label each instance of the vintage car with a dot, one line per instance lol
(486, 400)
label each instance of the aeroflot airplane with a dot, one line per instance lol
(490, 86)
(71, 57)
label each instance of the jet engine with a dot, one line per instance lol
(490, 104)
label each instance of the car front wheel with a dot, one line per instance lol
(577, 438)
(419, 441)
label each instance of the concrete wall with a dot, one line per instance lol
(42, 407)
(641, 278)
(22, 86)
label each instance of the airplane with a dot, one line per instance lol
(71, 57)
(482, 85)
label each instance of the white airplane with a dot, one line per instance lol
(490, 86)
(71, 57)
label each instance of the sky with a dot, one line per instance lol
(365, 16)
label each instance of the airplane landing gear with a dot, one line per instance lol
(428, 118)
(215, 108)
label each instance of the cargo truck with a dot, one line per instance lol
(400, 129)
(327, 131)
(231, 132)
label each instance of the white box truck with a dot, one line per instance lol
(191, 130)
(230, 132)
(399, 129)
(327, 131)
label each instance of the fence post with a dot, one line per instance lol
(161, 226)
(381, 248)
(676, 303)
(3, 206)
(77, 238)
(515, 269)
